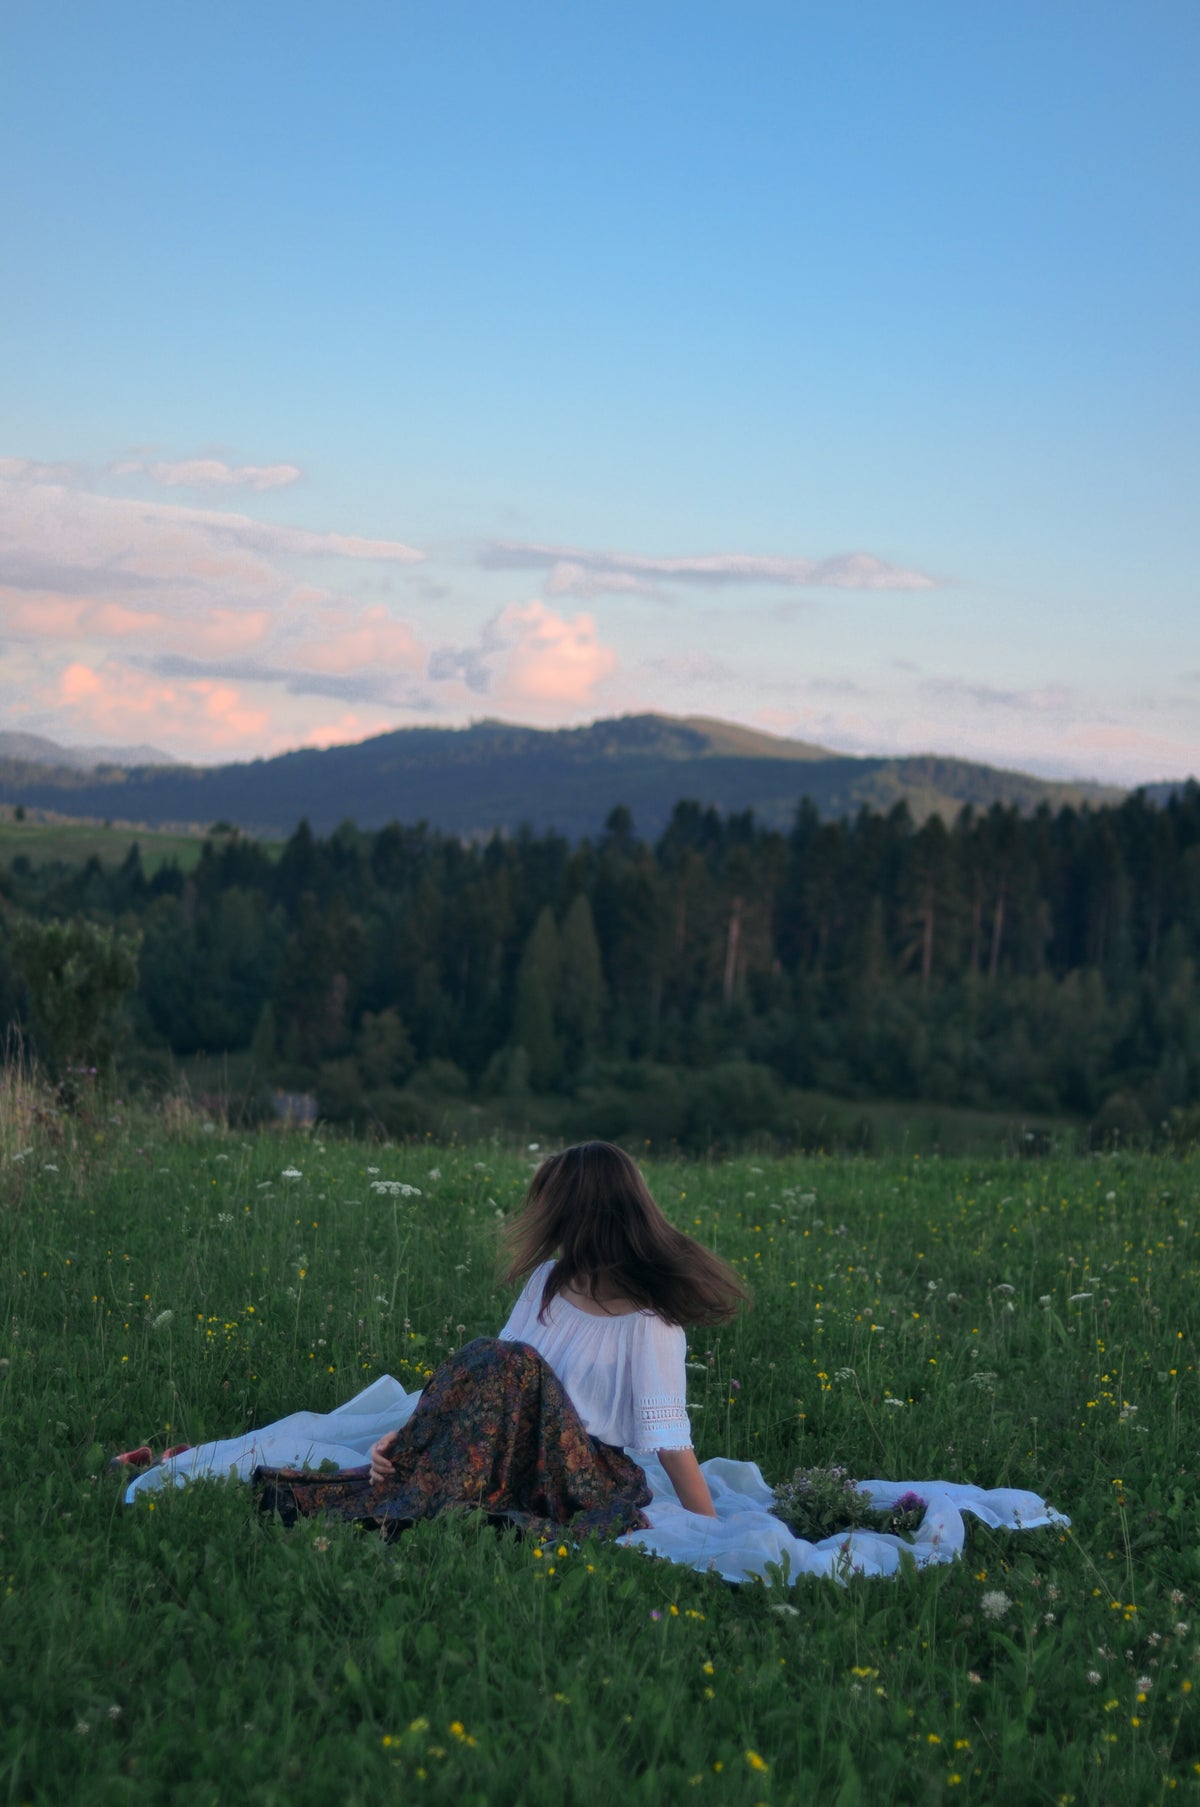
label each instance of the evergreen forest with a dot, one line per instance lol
(692, 989)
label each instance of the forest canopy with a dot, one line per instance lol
(1041, 963)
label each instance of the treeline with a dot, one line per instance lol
(1043, 963)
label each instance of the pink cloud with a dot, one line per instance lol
(551, 660)
(346, 731)
(205, 717)
(46, 617)
(375, 641)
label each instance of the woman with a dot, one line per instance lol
(533, 1427)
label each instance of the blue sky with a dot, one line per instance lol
(828, 369)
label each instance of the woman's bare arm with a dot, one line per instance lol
(683, 1472)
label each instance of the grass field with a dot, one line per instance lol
(45, 841)
(164, 1282)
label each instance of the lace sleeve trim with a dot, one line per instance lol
(662, 1423)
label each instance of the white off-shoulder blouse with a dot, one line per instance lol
(624, 1374)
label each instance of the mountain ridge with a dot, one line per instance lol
(495, 776)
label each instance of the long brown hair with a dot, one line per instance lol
(591, 1207)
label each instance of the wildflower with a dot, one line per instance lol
(892, 1401)
(1075, 1298)
(786, 1612)
(82, 1727)
(756, 1762)
(162, 1320)
(655, 1614)
(1005, 1289)
(417, 1726)
(974, 1677)
(435, 1173)
(1093, 1676)
(995, 1603)
(291, 1173)
(1144, 1684)
(320, 1543)
(114, 1712)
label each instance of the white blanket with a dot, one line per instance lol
(740, 1542)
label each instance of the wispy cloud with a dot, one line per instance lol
(57, 537)
(574, 571)
(195, 621)
(209, 473)
(384, 689)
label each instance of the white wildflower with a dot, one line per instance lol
(891, 1401)
(844, 1374)
(1044, 1301)
(1005, 1288)
(1110, 1198)
(1093, 1676)
(162, 1320)
(435, 1173)
(1076, 1298)
(82, 1727)
(49, 1167)
(217, 1157)
(264, 1184)
(1145, 1683)
(224, 1216)
(787, 1612)
(210, 1129)
(372, 1170)
(1182, 1629)
(291, 1173)
(114, 1712)
(995, 1604)
(534, 1147)
(395, 1189)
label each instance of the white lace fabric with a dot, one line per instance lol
(623, 1374)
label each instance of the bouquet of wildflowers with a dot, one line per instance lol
(820, 1502)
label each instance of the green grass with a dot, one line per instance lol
(1038, 1319)
(62, 840)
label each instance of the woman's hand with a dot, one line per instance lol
(381, 1469)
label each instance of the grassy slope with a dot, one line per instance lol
(155, 1654)
(74, 841)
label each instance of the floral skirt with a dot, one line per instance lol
(494, 1432)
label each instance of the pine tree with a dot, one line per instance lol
(580, 999)
(533, 1014)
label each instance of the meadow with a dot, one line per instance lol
(1011, 1322)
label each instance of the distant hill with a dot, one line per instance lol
(35, 749)
(494, 775)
